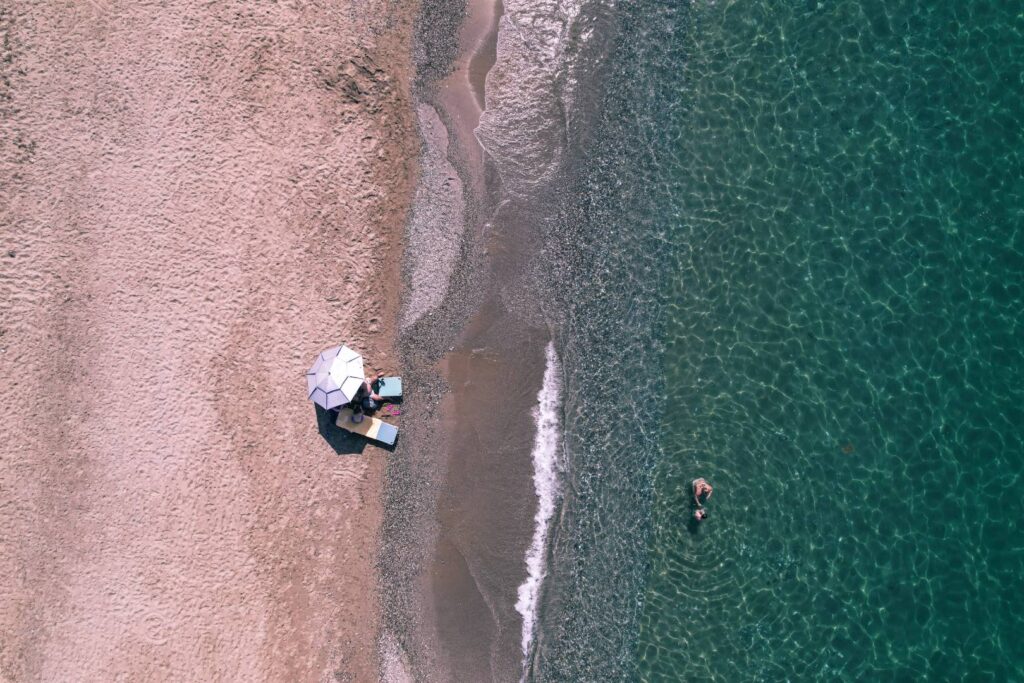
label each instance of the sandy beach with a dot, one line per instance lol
(194, 200)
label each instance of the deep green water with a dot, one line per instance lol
(816, 296)
(844, 331)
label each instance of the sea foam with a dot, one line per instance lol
(546, 466)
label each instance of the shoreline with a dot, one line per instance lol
(499, 475)
(182, 239)
(461, 499)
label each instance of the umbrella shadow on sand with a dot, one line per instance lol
(343, 443)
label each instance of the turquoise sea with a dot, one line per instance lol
(815, 300)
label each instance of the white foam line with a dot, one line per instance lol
(546, 483)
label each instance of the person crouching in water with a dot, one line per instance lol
(701, 492)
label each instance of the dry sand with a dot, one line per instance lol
(194, 199)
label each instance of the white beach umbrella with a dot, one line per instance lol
(335, 377)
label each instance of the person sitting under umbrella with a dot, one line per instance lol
(366, 398)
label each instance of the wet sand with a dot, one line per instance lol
(193, 201)
(452, 188)
(490, 361)
(486, 510)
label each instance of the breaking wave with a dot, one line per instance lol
(546, 466)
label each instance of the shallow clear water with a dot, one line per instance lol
(817, 292)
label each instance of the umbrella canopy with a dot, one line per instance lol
(335, 377)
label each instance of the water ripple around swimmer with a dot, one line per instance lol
(844, 355)
(797, 241)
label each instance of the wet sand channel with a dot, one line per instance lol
(487, 358)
